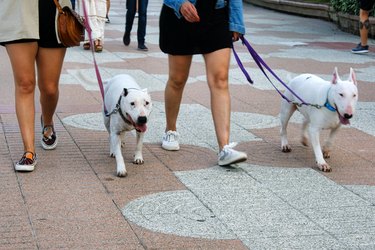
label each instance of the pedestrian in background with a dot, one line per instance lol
(131, 6)
(364, 25)
(96, 11)
(205, 27)
(29, 36)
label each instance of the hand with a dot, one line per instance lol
(235, 36)
(189, 12)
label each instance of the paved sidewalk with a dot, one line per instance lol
(183, 200)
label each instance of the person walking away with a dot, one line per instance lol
(206, 27)
(131, 6)
(364, 25)
(29, 36)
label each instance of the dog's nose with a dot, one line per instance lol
(142, 120)
(347, 116)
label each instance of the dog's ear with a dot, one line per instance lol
(336, 76)
(125, 93)
(352, 77)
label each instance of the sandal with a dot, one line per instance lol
(86, 46)
(98, 46)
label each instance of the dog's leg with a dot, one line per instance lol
(304, 137)
(138, 157)
(328, 143)
(315, 142)
(116, 150)
(286, 112)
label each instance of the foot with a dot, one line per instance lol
(360, 49)
(228, 155)
(142, 47)
(126, 39)
(86, 46)
(27, 162)
(170, 141)
(49, 138)
(107, 19)
(98, 46)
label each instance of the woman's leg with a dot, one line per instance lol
(217, 66)
(49, 62)
(22, 58)
(179, 67)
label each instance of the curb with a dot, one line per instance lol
(345, 22)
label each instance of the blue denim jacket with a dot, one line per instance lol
(236, 22)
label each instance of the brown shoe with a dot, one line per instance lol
(86, 46)
(98, 46)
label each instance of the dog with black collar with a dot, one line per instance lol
(126, 107)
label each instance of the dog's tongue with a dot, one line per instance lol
(141, 127)
(343, 120)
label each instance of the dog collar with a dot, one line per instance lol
(329, 106)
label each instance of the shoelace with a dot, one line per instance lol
(170, 134)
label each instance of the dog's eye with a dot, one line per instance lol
(354, 95)
(342, 95)
(147, 103)
(132, 103)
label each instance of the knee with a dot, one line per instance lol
(25, 85)
(177, 82)
(50, 90)
(219, 81)
(365, 24)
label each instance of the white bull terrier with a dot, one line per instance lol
(335, 100)
(127, 108)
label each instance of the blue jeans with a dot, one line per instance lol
(142, 18)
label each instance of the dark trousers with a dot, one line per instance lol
(142, 18)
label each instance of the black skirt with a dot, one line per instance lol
(180, 37)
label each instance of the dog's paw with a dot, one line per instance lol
(112, 155)
(286, 148)
(326, 154)
(138, 161)
(122, 173)
(305, 141)
(324, 167)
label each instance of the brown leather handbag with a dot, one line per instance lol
(70, 26)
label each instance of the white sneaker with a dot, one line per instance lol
(170, 141)
(229, 156)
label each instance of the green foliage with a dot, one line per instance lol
(347, 6)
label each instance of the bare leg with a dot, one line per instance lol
(22, 58)
(217, 66)
(363, 31)
(49, 63)
(179, 67)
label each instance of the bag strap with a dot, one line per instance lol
(58, 6)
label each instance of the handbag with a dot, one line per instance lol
(70, 26)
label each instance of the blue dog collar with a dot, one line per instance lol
(329, 106)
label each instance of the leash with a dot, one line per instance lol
(97, 72)
(259, 61)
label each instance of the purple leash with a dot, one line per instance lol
(259, 61)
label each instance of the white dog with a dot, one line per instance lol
(335, 100)
(126, 107)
